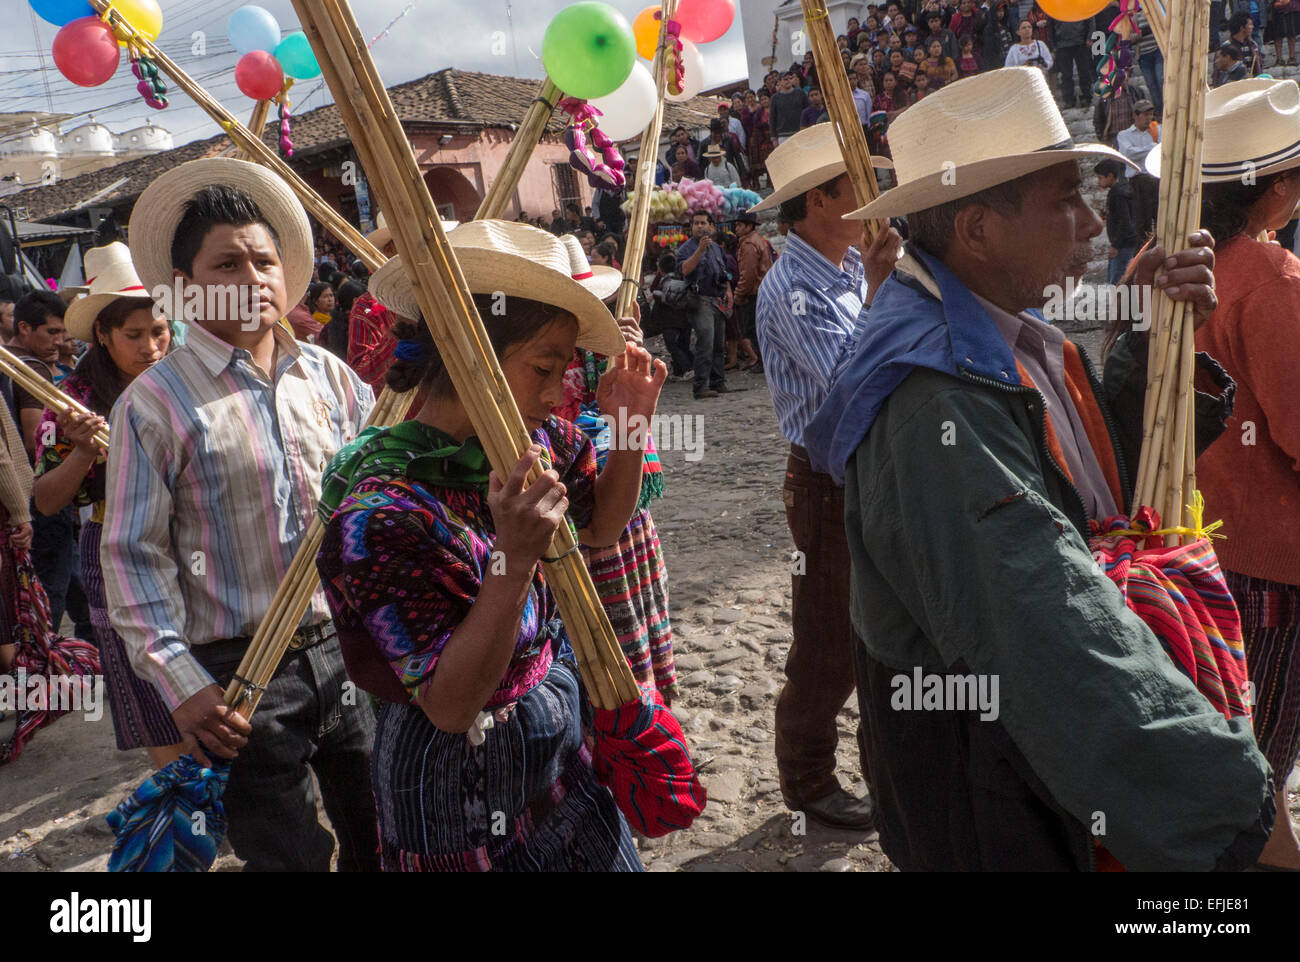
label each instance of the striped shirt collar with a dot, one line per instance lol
(216, 355)
(816, 270)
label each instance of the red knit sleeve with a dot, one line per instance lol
(1266, 351)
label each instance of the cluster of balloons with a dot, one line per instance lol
(266, 58)
(669, 238)
(87, 50)
(590, 52)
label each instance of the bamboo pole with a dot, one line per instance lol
(639, 223)
(255, 124)
(449, 311)
(247, 141)
(521, 152)
(842, 110)
(44, 391)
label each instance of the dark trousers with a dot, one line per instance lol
(1146, 205)
(678, 342)
(310, 718)
(819, 668)
(1067, 60)
(710, 344)
(53, 558)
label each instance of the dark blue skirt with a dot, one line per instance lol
(526, 800)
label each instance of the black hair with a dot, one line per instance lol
(1230, 50)
(97, 367)
(1237, 21)
(608, 250)
(1225, 208)
(326, 267)
(360, 270)
(667, 263)
(1109, 166)
(701, 213)
(214, 205)
(932, 228)
(796, 208)
(33, 308)
(314, 291)
(574, 205)
(523, 320)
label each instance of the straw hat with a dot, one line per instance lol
(381, 235)
(810, 157)
(972, 135)
(159, 210)
(520, 261)
(601, 280)
(1252, 127)
(715, 151)
(110, 274)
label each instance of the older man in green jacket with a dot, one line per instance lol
(976, 444)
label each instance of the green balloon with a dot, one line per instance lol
(589, 50)
(296, 57)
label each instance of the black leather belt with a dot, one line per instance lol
(799, 452)
(305, 638)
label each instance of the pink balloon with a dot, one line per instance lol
(86, 52)
(259, 75)
(704, 21)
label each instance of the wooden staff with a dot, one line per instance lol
(256, 124)
(639, 223)
(521, 152)
(249, 142)
(44, 391)
(448, 309)
(842, 110)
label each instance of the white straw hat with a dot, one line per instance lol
(975, 134)
(110, 275)
(381, 235)
(518, 260)
(1252, 128)
(160, 208)
(601, 280)
(809, 158)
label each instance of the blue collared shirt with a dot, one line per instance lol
(807, 315)
(710, 274)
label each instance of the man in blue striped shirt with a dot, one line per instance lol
(810, 305)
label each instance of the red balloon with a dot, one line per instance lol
(86, 52)
(259, 75)
(704, 21)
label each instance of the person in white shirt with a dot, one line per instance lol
(734, 126)
(1135, 142)
(1029, 52)
(720, 171)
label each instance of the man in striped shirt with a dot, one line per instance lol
(809, 306)
(213, 477)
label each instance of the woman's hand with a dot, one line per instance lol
(80, 429)
(20, 537)
(631, 386)
(526, 518)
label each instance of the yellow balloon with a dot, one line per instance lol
(1070, 11)
(145, 15)
(646, 30)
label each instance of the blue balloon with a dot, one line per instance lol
(253, 28)
(62, 12)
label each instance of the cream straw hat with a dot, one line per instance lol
(110, 275)
(160, 208)
(1252, 128)
(975, 134)
(519, 261)
(809, 158)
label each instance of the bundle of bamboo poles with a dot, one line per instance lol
(256, 124)
(521, 151)
(448, 309)
(842, 109)
(1166, 478)
(248, 141)
(44, 391)
(639, 223)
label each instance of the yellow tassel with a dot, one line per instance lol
(1199, 529)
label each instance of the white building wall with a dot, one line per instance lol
(768, 24)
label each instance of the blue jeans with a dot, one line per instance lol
(1153, 68)
(54, 557)
(1118, 264)
(710, 344)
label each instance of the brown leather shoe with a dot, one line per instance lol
(706, 393)
(839, 809)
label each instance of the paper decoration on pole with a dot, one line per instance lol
(259, 76)
(674, 69)
(151, 86)
(582, 135)
(692, 65)
(62, 12)
(253, 28)
(626, 112)
(704, 21)
(588, 50)
(86, 52)
(286, 129)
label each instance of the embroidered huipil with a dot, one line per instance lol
(213, 476)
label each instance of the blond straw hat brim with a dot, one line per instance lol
(975, 134)
(160, 208)
(517, 260)
(1252, 128)
(809, 158)
(80, 318)
(111, 276)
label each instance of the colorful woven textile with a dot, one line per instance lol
(39, 650)
(156, 829)
(49, 457)
(1181, 594)
(641, 756)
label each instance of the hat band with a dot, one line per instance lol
(1253, 163)
(1066, 144)
(584, 277)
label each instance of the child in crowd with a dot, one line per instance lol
(969, 63)
(940, 68)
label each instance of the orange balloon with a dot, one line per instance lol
(1070, 11)
(646, 30)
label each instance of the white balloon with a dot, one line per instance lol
(628, 110)
(694, 83)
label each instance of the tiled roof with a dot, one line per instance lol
(448, 96)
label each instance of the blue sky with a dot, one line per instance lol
(433, 35)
